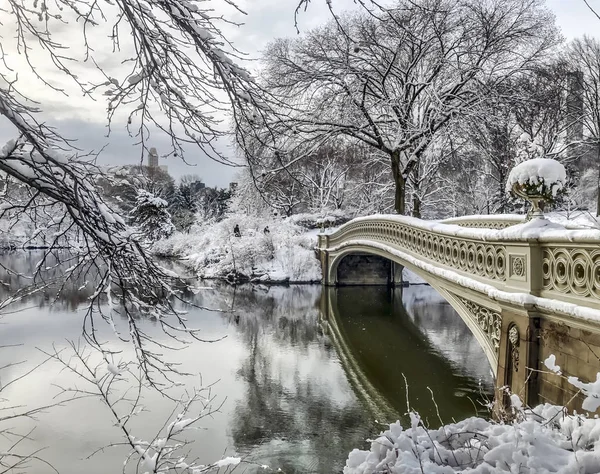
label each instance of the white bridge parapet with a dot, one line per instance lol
(536, 258)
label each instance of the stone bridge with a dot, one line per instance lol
(525, 290)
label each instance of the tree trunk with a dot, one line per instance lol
(399, 182)
(416, 207)
(416, 200)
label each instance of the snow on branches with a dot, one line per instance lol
(178, 73)
(151, 216)
(392, 80)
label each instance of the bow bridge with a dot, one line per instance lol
(525, 289)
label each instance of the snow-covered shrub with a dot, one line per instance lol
(151, 217)
(543, 440)
(285, 252)
(543, 177)
(584, 195)
(332, 218)
(528, 148)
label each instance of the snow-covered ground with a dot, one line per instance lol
(212, 250)
(541, 441)
(286, 253)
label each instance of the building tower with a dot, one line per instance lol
(152, 158)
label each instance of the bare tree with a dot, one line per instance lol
(394, 80)
(583, 55)
(177, 76)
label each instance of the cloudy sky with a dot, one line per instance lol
(85, 120)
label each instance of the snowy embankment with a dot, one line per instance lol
(542, 440)
(283, 253)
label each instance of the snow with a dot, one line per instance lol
(486, 217)
(550, 363)
(178, 426)
(591, 391)
(516, 402)
(113, 369)
(228, 461)
(412, 278)
(538, 171)
(211, 250)
(542, 440)
(8, 147)
(542, 230)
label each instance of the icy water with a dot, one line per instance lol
(302, 375)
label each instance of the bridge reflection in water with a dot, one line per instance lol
(380, 344)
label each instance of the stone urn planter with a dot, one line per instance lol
(538, 181)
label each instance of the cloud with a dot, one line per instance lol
(80, 117)
(121, 149)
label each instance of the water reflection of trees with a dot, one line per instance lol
(18, 273)
(287, 402)
(297, 411)
(447, 332)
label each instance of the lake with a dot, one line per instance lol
(302, 375)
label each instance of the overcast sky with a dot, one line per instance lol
(265, 20)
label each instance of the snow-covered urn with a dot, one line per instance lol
(539, 181)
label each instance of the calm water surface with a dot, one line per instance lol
(304, 375)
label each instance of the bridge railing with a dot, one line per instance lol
(557, 264)
(497, 221)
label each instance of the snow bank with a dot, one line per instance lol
(284, 253)
(538, 171)
(412, 278)
(316, 221)
(542, 440)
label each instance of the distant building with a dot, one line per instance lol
(153, 161)
(152, 158)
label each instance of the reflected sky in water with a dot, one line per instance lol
(303, 374)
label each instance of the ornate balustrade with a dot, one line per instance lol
(557, 268)
(570, 272)
(484, 260)
(501, 221)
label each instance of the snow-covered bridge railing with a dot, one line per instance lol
(523, 290)
(538, 258)
(499, 221)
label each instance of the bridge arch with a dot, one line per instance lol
(486, 332)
